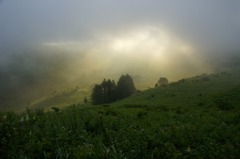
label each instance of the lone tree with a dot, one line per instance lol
(161, 81)
(125, 86)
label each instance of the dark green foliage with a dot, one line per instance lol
(125, 86)
(111, 112)
(141, 114)
(104, 93)
(108, 91)
(129, 131)
(205, 79)
(223, 103)
(161, 81)
(39, 111)
(97, 95)
(56, 109)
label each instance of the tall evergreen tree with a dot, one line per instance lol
(125, 86)
(97, 94)
(111, 94)
(104, 93)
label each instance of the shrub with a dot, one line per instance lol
(39, 111)
(205, 79)
(223, 104)
(56, 109)
(141, 114)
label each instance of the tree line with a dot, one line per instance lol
(108, 91)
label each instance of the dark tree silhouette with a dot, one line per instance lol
(104, 93)
(161, 81)
(111, 93)
(97, 94)
(55, 109)
(125, 86)
(108, 91)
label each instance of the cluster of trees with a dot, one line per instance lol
(108, 91)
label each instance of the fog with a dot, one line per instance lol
(52, 45)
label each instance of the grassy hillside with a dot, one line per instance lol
(192, 118)
(191, 92)
(62, 99)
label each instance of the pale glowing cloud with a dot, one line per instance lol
(146, 52)
(149, 42)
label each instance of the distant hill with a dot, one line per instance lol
(62, 99)
(200, 90)
(191, 92)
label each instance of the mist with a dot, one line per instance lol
(53, 45)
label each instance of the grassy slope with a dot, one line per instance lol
(188, 92)
(194, 118)
(61, 99)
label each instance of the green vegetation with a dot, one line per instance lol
(62, 99)
(192, 118)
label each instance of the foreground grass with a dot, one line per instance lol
(186, 120)
(132, 131)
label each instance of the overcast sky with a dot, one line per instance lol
(173, 38)
(205, 23)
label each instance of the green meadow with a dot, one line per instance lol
(196, 117)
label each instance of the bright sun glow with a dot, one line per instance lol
(145, 46)
(146, 42)
(151, 50)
